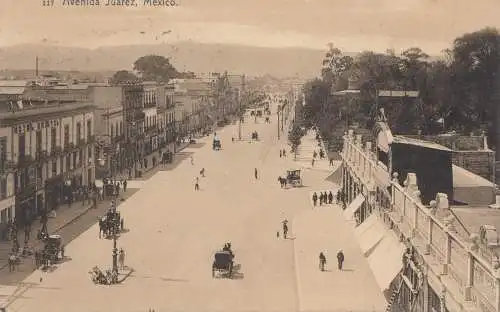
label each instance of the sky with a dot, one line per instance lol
(352, 25)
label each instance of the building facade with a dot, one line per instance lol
(417, 252)
(109, 129)
(133, 118)
(48, 152)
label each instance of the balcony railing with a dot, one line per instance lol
(25, 160)
(447, 253)
(41, 155)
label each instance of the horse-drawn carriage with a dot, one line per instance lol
(223, 262)
(216, 144)
(293, 177)
(51, 252)
(111, 223)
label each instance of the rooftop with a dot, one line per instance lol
(465, 178)
(412, 141)
(8, 117)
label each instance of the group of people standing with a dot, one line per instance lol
(324, 198)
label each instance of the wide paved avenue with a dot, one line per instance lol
(174, 232)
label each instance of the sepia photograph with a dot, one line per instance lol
(249, 156)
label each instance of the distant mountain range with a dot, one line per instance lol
(186, 56)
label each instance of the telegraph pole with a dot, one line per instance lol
(278, 114)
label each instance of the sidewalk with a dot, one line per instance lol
(354, 288)
(305, 151)
(65, 215)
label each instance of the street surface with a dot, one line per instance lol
(174, 231)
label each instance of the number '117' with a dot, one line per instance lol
(47, 2)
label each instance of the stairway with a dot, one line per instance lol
(394, 296)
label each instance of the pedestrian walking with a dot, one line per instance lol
(196, 186)
(256, 174)
(281, 153)
(325, 198)
(202, 172)
(121, 258)
(284, 153)
(285, 228)
(340, 259)
(320, 198)
(312, 162)
(192, 160)
(125, 185)
(322, 261)
(315, 198)
(331, 162)
(330, 197)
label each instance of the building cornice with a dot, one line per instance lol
(7, 119)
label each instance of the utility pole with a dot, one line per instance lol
(278, 114)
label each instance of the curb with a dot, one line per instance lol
(296, 266)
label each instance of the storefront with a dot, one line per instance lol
(54, 192)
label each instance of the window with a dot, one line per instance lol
(121, 128)
(38, 147)
(80, 156)
(3, 151)
(78, 133)
(53, 138)
(3, 188)
(66, 135)
(89, 129)
(68, 162)
(75, 160)
(89, 153)
(112, 131)
(54, 168)
(116, 129)
(22, 145)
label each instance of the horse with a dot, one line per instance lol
(282, 181)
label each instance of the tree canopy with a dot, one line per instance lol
(155, 68)
(459, 91)
(123, 76)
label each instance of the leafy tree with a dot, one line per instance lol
(122, 76)
(155, 68)
(295, 138)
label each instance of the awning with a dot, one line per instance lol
(336, 176)
(353, 207)
(369, 234)
(386, 259)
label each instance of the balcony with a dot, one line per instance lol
(117, 139)
(81, 143)
(55, 151)
(135, 115)
(41, 155)
(69, 147)
(25, 160)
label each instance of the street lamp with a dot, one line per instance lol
(115, 254)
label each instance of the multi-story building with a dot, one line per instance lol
(109, 129)
(47, 152)
(193, 97)
(134, 118)
(166, 115)
(408, 202)
(46, 145)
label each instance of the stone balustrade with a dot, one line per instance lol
(460, 266)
